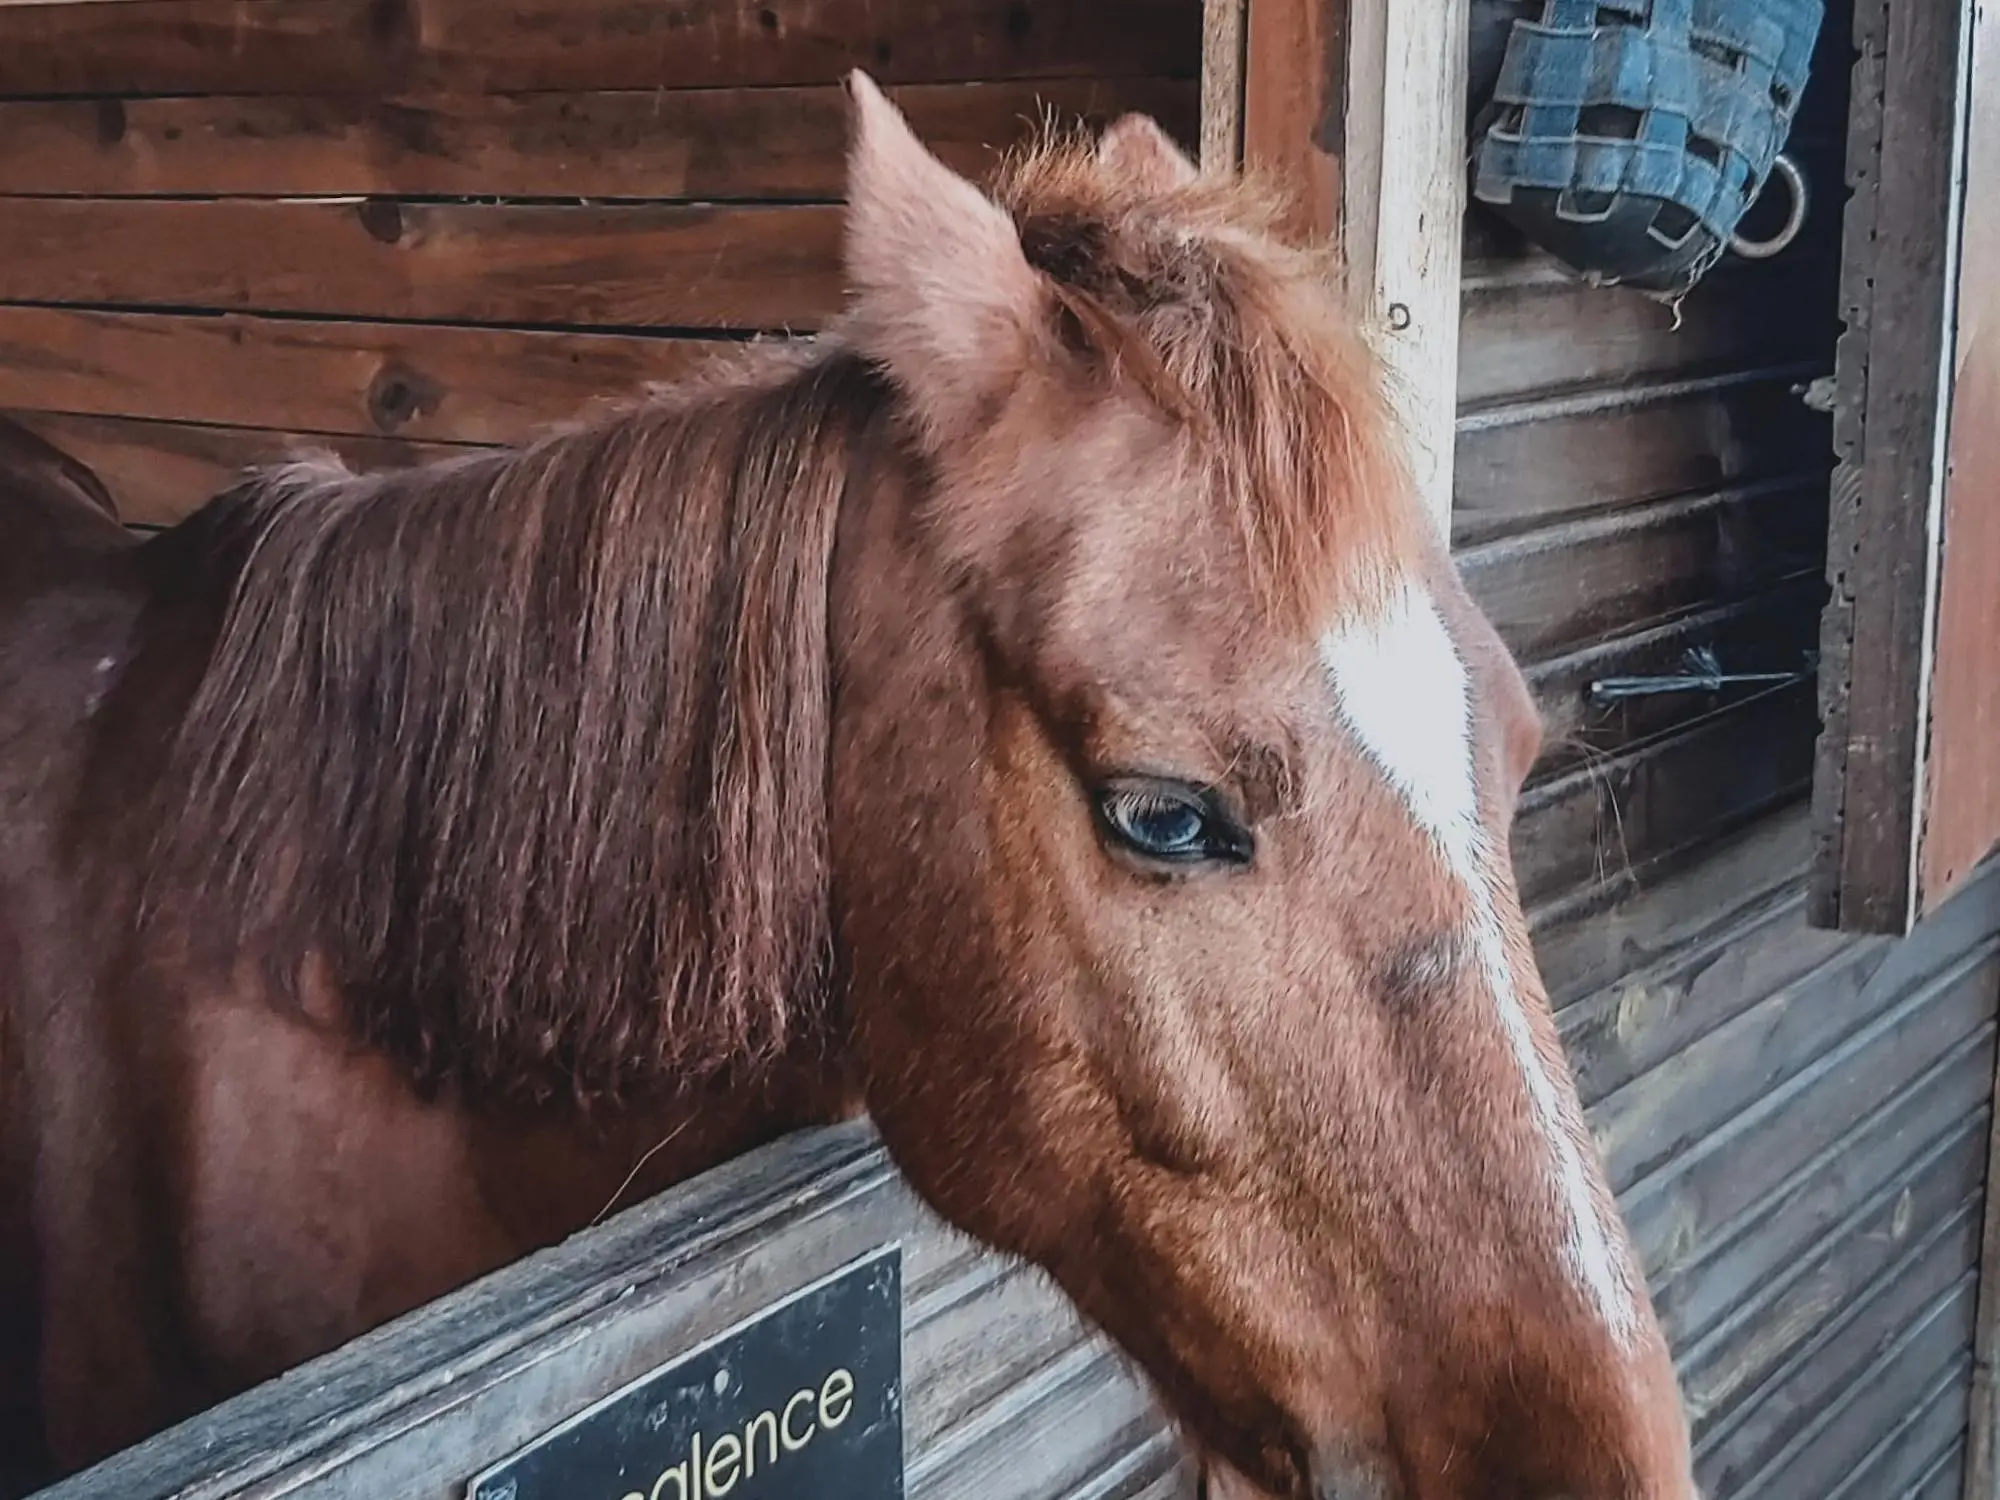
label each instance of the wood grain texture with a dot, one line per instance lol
(1719, 1185)
(1961, 812)
(1530, 462)
(162, 472)
(1768, 632)
(1915, 1389)
(1295, 104)
(1554, 589)
(377, 47)
(1751, 1396)
(413, 381)
(413, 1408)
(1589, 942)
(1403, 196)
(1896, 294)
(712, 144)
(625, 266)
(1632, 811)
(1527, 333)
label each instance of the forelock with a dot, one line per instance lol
(1197, 296)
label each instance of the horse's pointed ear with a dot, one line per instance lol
(1135, 149)
(944, 298)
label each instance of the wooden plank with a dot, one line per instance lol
(1636, 808)
(713, 144)
(1899, 1190)
(1295, 107)
(1982, 1443)
(1646, 1018)
(1730, 1173)
(1907, 168)
(1222, 29)
(1751, 1042)
(1853, 1186)
(1934, 1426)
(1543, 334)
(1960, 823)
(1918, 1380)
(1732, 1002)
(1551, 590)
(388, 47)
(420, 382)
(623, 266)
(1748, 1396)
(1402, 201)
(1597, 939)
(1944, 1479)
(1527, 463)
(414, 1407)
(160, 472)
(1771, 632)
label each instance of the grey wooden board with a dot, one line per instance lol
(996, 1364)
(1944, 1479)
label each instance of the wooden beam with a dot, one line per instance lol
(388, 47)
(1403, 194)
(1366, 121)
(715, 145)
(624, 265)
(1222, 84)
(1900, 269)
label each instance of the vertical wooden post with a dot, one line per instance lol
(1222, 84)
(1367, 120)
(1403, 201)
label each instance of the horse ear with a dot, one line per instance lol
(1134, 147)
(943, 296)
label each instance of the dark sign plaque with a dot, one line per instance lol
(802, 1402)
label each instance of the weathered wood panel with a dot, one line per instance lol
(1533, 462)
(162, 471)
(1715, 1184)
(1557, 587)
(1961, 811)
(409, 1411)
(1527, 332)
(628, 265)
(373, 47)
(1906, 167)
(1591, 941)
(1766, 633)
(1751, 1399)
(1633, 809)
(419, 382)
(714, 144)
(1924, 1378)
(1944, 1479)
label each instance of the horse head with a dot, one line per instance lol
(1172, 774)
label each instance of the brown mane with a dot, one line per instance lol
(1196, 294)
(532, 747)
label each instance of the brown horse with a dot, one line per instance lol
(1038, 714)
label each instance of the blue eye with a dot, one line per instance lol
(1170, 824)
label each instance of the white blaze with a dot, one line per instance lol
(1403, 694)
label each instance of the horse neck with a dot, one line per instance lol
(531, 751)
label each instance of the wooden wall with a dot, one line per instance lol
(1006, 1396)
(393, 226)
(1796, 1123)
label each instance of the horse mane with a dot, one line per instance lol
(530, 748)
(1204, 296)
